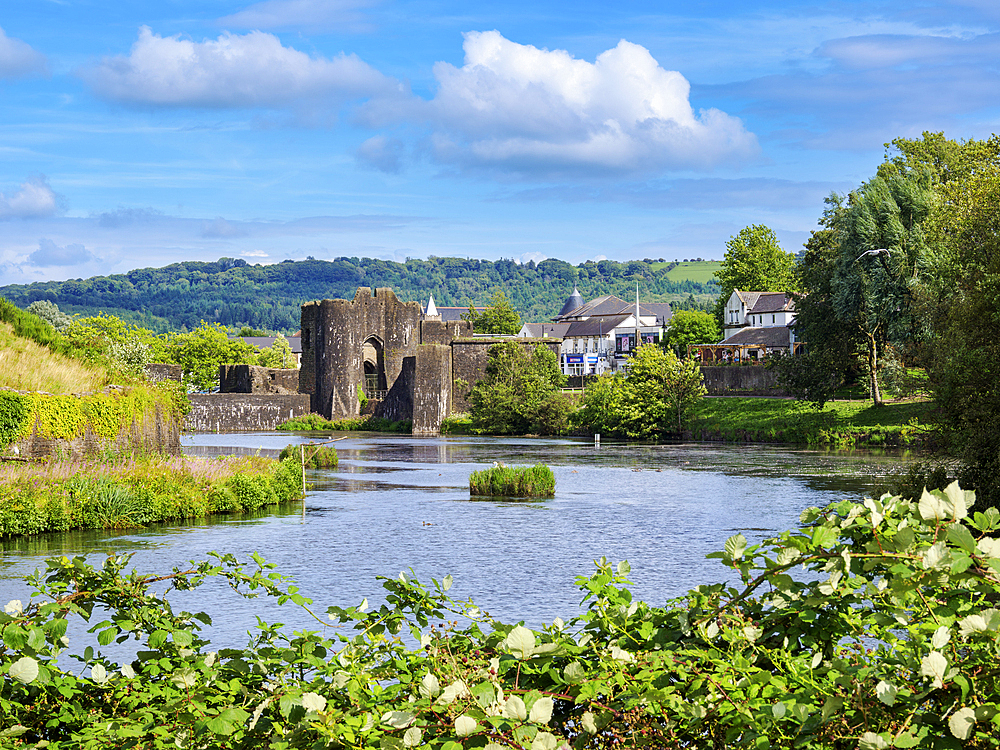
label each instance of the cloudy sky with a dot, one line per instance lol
(142, 133)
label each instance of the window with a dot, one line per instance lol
(772, 318)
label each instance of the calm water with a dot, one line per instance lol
(400, 502)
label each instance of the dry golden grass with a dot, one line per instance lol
(26, 366)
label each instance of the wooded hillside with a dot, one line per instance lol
(235, 293)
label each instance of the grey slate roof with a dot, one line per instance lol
(455, 313)
(546, 330)
(596, 326)
(771, 302)
(774, 336)
(572, 302)
(606, 305)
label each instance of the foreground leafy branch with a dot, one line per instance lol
(886, 637)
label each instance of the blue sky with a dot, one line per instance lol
(143, 133)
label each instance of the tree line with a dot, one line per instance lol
(233, 293)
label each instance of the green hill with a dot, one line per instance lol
(234, 293)
(702, 271)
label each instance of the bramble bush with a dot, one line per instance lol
(872, 626)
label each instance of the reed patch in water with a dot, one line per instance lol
(513, 481)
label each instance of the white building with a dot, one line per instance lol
(759, 323)
(600, 335)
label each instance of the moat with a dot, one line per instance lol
(397, 502)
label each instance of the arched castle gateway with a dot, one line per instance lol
(408, 362)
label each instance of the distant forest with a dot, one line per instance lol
(235, 293)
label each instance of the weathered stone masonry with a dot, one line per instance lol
(421, 364)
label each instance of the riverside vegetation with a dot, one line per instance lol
(513, 481)
(133, 492)
(121, 486)
(872, 626)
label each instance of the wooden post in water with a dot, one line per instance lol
(302, 448)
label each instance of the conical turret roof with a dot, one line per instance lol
(574, 301)
(431, 309)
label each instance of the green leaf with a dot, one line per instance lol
(574, 673)
(447, 582)
(183, 638)
(520, 642)
(465, 725)
(959, 535)
(24, 669)
(106, 636)
(962, 721)
(886, 692)
(36, 639)
(541, 711)
(824, 536)
(735, 546)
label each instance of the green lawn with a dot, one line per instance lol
(700, 271)
(841, 423)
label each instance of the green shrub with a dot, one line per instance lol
(513, 481)
(869, 626)
(315, 422)
(456, 424)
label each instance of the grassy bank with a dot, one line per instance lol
(841, 424)
(315, 422)
(134, 492)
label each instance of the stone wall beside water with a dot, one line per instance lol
(243, 412)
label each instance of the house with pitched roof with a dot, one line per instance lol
(756, 324)
(599, 336)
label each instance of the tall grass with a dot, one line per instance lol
(317, 456)
(513, 481)
(28, 366)
(136, 491)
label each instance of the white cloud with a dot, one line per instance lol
(219, 228)
(533, 110)
(50, 254)
(252, 70)
(18, 59)
(384, 154)
(32, 200)
(308, 14)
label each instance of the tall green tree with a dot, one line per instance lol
(691, 327)
(653, 399)
(754, 261)
(520, 392)
(881, 251)
(499, 318)
(965, 372)
(204, 349)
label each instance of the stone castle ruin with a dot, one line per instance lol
(410, 365)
